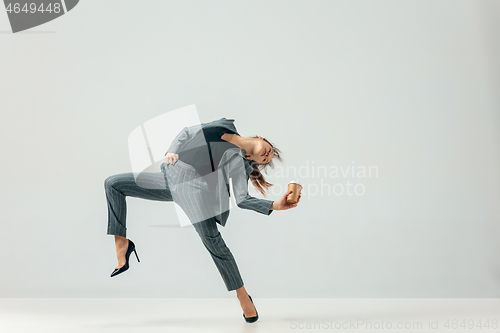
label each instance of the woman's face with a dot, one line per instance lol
(263, 151)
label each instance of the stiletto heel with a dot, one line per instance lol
(130, 249)
(254, 318)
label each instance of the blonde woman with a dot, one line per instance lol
(199, 163)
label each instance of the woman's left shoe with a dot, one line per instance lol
(252, 319)
(130, 249)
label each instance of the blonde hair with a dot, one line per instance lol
(257, 177)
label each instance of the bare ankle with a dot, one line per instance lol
(120, 239)
(241, 293)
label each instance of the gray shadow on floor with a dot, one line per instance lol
(187, 323)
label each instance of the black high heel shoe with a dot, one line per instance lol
(130, 249)
(252, 319)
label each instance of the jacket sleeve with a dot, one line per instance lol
(237, 172)
(180, 140)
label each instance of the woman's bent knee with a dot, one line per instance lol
(108, 182)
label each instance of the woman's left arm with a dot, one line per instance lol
(244, 200)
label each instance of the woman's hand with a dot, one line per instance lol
(171, 158)
(281, 204)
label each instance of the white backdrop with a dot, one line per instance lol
(410, 89)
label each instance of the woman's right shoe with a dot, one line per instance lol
(254, 318)
(130, 249)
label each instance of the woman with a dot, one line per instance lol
(198, 164)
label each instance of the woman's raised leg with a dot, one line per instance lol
(148, 185)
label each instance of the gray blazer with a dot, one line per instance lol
(233, 165)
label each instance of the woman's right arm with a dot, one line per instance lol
(180, 140)
(185, 135)
(245, 200)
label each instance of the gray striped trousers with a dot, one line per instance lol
(119, 186)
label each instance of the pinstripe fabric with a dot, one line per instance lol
(204, 206)
(119, 186)
(230, 166)
(190, 192)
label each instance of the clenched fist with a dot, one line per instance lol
(171, 158)
(281, 204)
